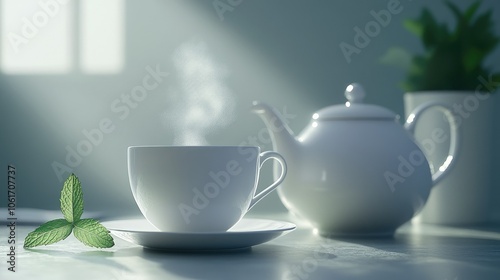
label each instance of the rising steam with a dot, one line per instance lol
(202, 103)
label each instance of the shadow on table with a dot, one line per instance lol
(261, 262)
(437, 249)
(428, 252)
(104, 258)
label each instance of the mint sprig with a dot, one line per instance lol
(89, 231)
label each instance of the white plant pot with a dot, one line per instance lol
(465, 196)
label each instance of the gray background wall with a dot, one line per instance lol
(283, 52)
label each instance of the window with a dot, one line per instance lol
(59, 36)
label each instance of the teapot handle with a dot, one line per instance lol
(455, 131)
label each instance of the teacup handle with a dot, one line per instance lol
(455, 131)
(263, 158)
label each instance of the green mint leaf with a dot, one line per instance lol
(72, 199)
(48, 233)
(91, 233)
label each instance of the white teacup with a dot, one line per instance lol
(197, 188)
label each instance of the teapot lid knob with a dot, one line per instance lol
(354, 108)
(355, 93)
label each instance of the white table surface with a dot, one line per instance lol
(415, 252)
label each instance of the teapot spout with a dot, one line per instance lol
(281, 135)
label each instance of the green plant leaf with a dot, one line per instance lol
(469, 13)
(482, 34)
(465, 16)
(472, 59)
(414, 26)
(397, 57)
(48, 233)
(72, 199)
(91, 233)
(433, 33)
(453, 58)
(496, 81)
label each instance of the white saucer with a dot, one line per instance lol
(246, 233)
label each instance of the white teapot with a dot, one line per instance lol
(355, 170)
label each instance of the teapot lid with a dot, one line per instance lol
(354, 108)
